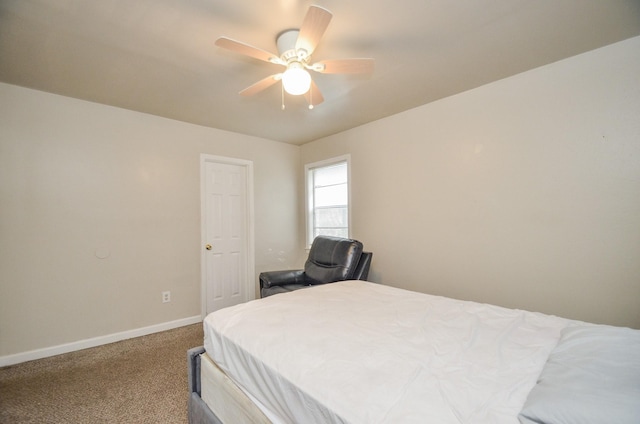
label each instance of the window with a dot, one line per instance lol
(328, 198)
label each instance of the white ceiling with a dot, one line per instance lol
(159, 57)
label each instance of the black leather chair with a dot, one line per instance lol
(330, 259)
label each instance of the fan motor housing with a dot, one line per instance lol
(286, 42)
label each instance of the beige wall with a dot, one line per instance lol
(79, 177)
(523, 193)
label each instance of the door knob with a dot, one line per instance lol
(208, 247)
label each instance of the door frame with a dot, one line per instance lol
(250, 289)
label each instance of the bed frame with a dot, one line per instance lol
(199, 412)
(230, 403)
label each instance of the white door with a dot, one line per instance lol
(226, 230)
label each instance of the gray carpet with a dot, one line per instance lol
(140, 380)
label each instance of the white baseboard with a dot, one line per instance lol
(95, 341)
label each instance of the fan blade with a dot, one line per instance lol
(261, 85)
(313, 27)
(313, 96)
(344, 66)
(247, 50)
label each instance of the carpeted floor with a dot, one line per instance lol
(140, 380)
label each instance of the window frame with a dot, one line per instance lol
(309, 187)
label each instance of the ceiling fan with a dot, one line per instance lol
(295, 47)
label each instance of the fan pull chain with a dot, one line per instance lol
(311, 97)
(282, 94)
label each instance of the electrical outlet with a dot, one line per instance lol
(166, 296)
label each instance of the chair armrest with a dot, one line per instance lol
(362, 270)
(279, 278)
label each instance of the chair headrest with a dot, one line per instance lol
(332, 259)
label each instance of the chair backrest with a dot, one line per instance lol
(332, 259)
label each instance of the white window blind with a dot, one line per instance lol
(328, 199)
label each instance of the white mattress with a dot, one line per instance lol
(359, 352)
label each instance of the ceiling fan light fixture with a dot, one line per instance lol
(296, 80)
(295, 47)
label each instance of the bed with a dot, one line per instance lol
(360, 352)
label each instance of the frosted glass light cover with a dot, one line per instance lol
(296, 81)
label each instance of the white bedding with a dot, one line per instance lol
(359, 352)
